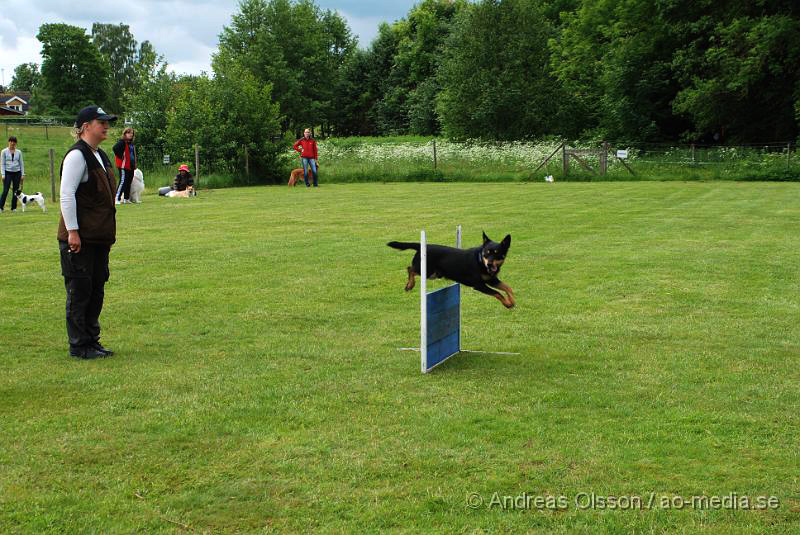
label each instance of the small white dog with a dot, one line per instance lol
(548, 178)
(137, 186)
(28, 199)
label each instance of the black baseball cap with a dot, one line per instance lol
(90, 113)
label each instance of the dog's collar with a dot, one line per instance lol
(480, 259)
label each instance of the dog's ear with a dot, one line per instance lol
(506, 243)
(485, 237)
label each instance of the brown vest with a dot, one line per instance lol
(97, 223)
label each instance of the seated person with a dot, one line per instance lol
(183, 182)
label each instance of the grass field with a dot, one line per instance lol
(257, 386)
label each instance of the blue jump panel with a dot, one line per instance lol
(444, 324)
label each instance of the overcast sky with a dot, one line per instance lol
(185, 32)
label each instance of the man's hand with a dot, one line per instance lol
(74, 241)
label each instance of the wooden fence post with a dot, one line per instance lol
(788, 153)
(434, 155)
(53, 174)
(197, 164)
(551, 155)
(246, 162)
(604, 158)
(565, 159)
(693, 154)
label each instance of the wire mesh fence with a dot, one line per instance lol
(477, 160)
(406, 159)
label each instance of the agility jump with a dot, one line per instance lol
(440, 310)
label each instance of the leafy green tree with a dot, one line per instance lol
(354, 95)
(295, 47)
(118, 47)
(26, 77)
(738, 68)
(148, 105)
(73, 70)
(494, 75)
(701, 69)
(378, 71)
(407, 103)
(225, 115)
(614, 60)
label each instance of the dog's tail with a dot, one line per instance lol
(403, 245)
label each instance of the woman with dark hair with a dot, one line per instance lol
(125, 156)
(12, 168)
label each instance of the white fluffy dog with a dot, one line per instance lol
(38, 198)
(137, 186)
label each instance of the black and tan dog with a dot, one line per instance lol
(477, 267)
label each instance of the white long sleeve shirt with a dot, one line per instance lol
(11, 161)
(74, 173)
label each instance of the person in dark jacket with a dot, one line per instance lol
(86, 231)
(125, 159)
(182, 181)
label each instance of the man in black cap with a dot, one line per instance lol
(86, 230)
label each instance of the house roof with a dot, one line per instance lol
(22, 96)
(9, 111)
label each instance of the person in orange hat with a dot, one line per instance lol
(182, 181)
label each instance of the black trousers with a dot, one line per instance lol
(85, 275)
(125, 181)
(11, 177)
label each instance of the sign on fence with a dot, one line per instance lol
(622, 154)
(166, 159)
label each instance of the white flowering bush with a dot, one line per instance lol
(380, 159)
(471, 151)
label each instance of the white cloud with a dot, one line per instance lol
(185, 32)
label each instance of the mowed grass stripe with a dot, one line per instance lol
(258, 386)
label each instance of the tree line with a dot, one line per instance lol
(627, 70)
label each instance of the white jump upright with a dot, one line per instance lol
(423, 302)
(440, 315)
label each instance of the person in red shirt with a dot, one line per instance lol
(307, 147)
(125, 157)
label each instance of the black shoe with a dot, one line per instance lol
(102, 349)
(86, 353)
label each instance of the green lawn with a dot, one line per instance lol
(257, 386)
